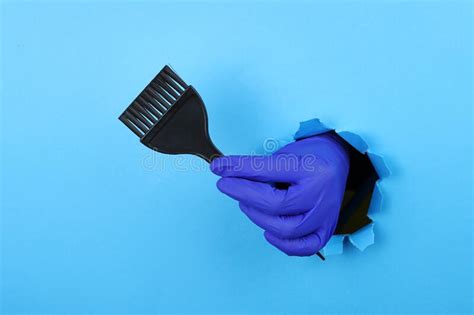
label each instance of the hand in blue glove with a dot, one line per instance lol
(299, 218)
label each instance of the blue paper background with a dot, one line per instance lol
(93, 222)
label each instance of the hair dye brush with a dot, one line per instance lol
(169, 117)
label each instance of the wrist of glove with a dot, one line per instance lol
(294, 195)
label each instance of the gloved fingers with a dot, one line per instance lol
(320, 219)
(324, 212)
(273, 168)
(247, 191)
(283, 226)
(304, 246)
(264, 196)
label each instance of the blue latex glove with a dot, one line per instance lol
(298, 219)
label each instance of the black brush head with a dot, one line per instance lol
(169, 116)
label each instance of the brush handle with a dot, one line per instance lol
(210, 152)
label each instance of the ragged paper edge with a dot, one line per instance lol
(365, 236)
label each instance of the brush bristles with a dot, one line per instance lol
(153, 102)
